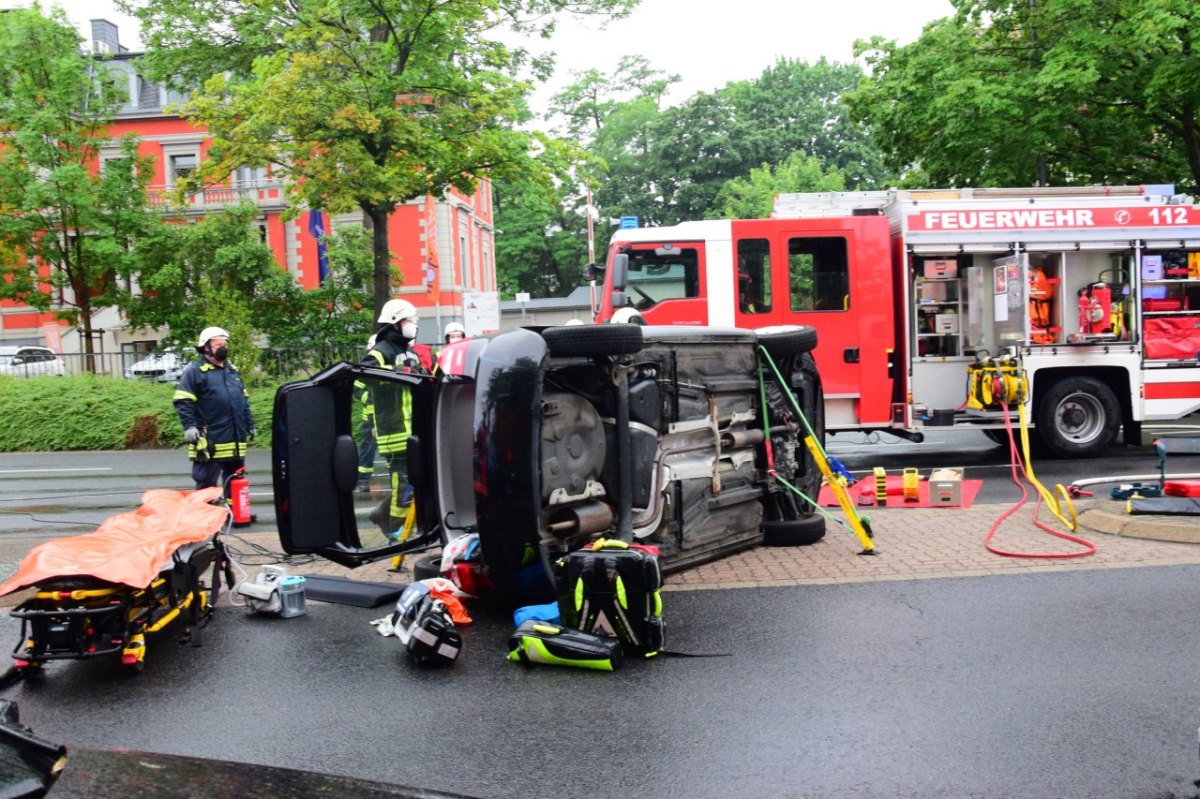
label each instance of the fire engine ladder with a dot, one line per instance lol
(860, 526)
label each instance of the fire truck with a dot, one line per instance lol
(934, 307)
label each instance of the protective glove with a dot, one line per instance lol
(252, 433)
(191, 435)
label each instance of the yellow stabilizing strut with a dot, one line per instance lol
(857, 524)
(843, 496)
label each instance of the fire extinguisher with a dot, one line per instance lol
(239, 498)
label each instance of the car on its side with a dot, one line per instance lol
(30, 361)
(540, 440)
(163, 367)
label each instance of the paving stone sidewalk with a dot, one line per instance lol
(912, 543)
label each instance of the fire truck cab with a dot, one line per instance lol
(1092, 295)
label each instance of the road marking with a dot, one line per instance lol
(77, 469)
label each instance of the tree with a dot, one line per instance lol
(215, 271)
(753, 197)
(338, 313)
(359, 104)
(1053, 91)
(67, 225)
(541, 224)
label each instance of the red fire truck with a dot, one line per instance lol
(1093, 294)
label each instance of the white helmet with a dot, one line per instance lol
(209, 333)
(454, 327)
(395, 310)
(627, 315)
(571, 322)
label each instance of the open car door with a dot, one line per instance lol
(321, 428)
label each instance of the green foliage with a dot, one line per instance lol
(1069, 91)
(338, 313)
(668, 165)
(59, 209)
(47, 414)
(215, 271)
(541, 224)
(753, 197)
(358, 104)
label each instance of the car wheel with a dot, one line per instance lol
(593, 340)
(794, 532)
(426, 567)
(1078, 417)
(784, 340)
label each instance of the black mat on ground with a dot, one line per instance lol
(344, 591)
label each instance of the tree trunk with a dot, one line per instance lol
(382, 255)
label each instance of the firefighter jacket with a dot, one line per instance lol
(391, 403)
(214, 400)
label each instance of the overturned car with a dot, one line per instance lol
(540, 440)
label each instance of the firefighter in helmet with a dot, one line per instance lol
(453, 332)
(392, 406)
(214, 409)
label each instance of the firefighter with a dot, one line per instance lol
(214, 410)
(392, 406)
(454, 332)
(366, 433)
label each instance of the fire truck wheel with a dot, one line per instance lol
(784, 340)
(1078, 417)
(593, 340)
(428, 566)
(794, 532)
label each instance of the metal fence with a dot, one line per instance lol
(274, 364)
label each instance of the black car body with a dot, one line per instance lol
(541, 440)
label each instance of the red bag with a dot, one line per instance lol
(1176, 337)
(1164, 304)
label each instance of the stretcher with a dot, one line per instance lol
(101, 593)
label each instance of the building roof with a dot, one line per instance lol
(581, 297)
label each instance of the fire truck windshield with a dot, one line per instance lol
(661, 274)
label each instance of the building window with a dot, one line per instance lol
(819, 274)
(180, 166)
(249, 176)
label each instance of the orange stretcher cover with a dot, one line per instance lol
(130, 548)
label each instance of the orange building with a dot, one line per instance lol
(442, 247)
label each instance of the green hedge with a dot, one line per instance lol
(44, 414)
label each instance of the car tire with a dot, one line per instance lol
(794, 532)
(427, 566)
(589, 341)
(783, 340)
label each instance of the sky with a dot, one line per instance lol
(706, 42)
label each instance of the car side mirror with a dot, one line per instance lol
(620, 271)
(18, 360)
(592, 272)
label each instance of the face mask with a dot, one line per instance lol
(408, 329)
(221, 353)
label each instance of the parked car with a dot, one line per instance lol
(165, 367)
(30, 362)
(540, 440)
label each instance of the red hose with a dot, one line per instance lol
(987, 541)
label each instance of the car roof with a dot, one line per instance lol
(13, 350)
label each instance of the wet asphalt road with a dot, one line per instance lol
(1047, 685)
(1041, 685)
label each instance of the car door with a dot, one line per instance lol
(318, 431)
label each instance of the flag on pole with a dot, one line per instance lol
(316, 226)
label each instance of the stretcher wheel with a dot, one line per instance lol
(32, 672)
(135, 667)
